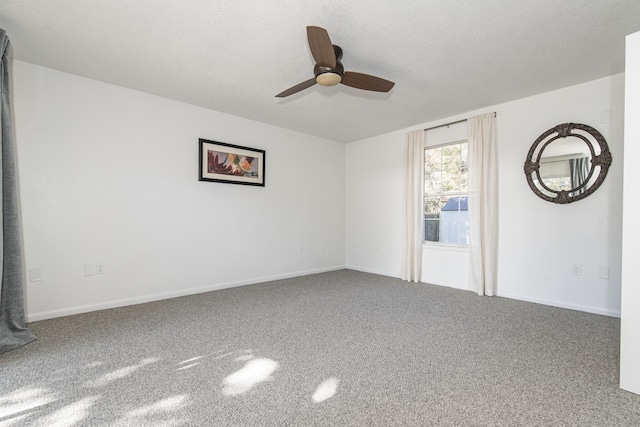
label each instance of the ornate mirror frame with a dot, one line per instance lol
(588, 185)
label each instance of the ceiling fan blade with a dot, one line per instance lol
(297, 88)
(321, 47)
(366, 82)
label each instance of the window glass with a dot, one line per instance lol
(446, 194)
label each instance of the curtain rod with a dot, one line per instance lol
(453, 123)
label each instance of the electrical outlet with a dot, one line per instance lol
(603, 273)
(89, 269)
(576, 270)
(99, 268)
(35, 274)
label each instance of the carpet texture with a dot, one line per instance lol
(342, 348)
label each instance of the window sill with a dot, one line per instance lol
(445, 247)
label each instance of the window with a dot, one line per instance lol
(446, 217)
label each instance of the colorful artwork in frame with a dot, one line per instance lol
(233, 164)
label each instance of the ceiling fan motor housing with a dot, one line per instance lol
(328, 76)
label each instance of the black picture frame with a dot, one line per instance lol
(231, 164)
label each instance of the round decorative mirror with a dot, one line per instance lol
(567, 163)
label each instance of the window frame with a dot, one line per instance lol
(444, 245)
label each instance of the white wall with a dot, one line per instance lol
(539, 241)
(109, 175)
(630, 322)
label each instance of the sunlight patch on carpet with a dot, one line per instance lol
(94, 364)
(189, 363)
(20, 420)
(119, 373)
(23, 400)
(254, 372)
(193, 359)
(325, 390)
(181, 368)
(170, 404)
(69, 415)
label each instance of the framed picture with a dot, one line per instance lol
(232, 164)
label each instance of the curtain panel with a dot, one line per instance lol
(483, 204)
(413, 210)
(13, 330)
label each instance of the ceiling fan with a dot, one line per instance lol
(329, 71)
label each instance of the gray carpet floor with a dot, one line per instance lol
(343, 348)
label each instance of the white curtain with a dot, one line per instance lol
(483, 204)
(413, 212)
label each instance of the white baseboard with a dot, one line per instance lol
(372, 271)
(594, 310)
(34, 317)
(452, 286)
(587, 309)
(397, 276)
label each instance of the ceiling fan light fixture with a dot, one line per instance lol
(328, 79)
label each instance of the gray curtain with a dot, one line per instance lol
(13, 328)
(579, 168)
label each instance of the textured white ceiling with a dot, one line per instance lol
(446, 57)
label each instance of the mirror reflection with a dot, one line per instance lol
(565, 165)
